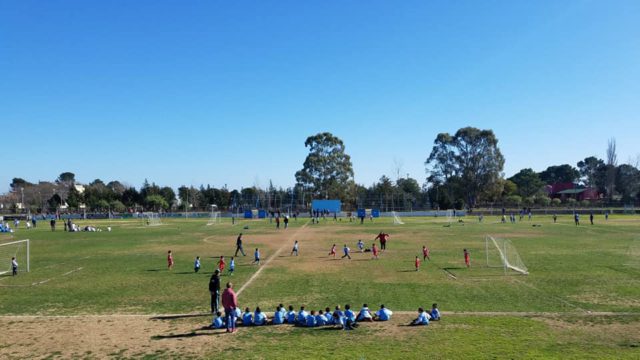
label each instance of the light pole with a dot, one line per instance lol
(22, 201)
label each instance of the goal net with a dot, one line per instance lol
(500, 252)
(214, 216)
(629, 209)
(449, 216)
(151, 219)
(18, 249)
(396, 219)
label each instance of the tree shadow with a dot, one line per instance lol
(179, 316)
(187, 335)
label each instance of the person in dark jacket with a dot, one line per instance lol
(214, 289)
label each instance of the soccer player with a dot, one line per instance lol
(435, 313)
(259, 318)
(301, 319)
(256, 256)
(311, 319)
(375, 251)
(218, 322)
(239, 246)
(278, 316)
(346, 251)
(221, 264)
(591, 217)
(364, 314)
(14, 266)
(170, 260)
(555, 218)
(321, 319)
(576, 218)
(196, 264)
(417, 263)
(232, 266)
(349, 314)
(247, 317)
(360, 246)
(291, 315)
(425, 253)
(383, 314)
(230, 303)
(328, 316)
(333, 251)
(467, 259)
(422, 319)
(295, 248)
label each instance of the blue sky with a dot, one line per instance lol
(226, 92)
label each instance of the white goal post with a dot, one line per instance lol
(450, 216)
(214, 215)
(396, 219)
(18, 249)
(151, 219)
(502, 253)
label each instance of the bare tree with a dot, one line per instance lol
(612, 162)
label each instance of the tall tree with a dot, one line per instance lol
(627, 182)
(66, 177)
(588, 169)
(528, 182)
(559, 174)
(472, 155)
(327, 171)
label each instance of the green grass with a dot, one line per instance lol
(572, 270)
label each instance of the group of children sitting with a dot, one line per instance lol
(347, 319)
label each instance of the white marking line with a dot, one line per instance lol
(46, 280)
(266, 262)
(551, 295)
(450, 274)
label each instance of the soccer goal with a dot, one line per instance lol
(629, 209)
(214, 216)
(396, 219)
(151, 219)
(450, 216)
(502, 253)
(18, 249)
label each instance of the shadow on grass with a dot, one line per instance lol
(187, 335)
(407, 271)
(185, 272)
(155, 270)
(180, 316)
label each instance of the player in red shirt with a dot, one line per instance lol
(425, 253)
(374, 249)
(417, 263)
(467, 259)
(333, 251)
(170, 260)
(221, 264)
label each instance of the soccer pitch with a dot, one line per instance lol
(110, 294)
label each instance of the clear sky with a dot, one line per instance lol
(226, 92)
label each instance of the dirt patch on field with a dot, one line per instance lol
(602, 299)
(102, 336)
(621, 331)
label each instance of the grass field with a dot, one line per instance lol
(109, 294)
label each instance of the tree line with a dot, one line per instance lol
(464, 170)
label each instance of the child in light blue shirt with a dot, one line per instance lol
(383, 314)
(422, 319)
(302, 316)
(435, 313)
(311, 319)
(218, 322)
(278, 316)
(291, 315)
(247, 318)
(349, 314)
(259, 318)
(321, 320)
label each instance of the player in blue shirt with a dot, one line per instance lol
(422, 319)
(196, 264)
(349, 314)
(247, 318)
(383, 314)
(435, 313)
(232, 266)
(278, 316)
(218, 322)
(259, 318)
(346, 251)
(256, 256)
(302, 316)
(328, 316)
(321, 320)
(291, 315)
(311, 319)
(364, 314)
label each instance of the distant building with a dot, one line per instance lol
(572, 191)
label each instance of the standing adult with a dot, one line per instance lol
(383, 237)
(239, 246)
(214, 289)
(230, 303)
(53, 224)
